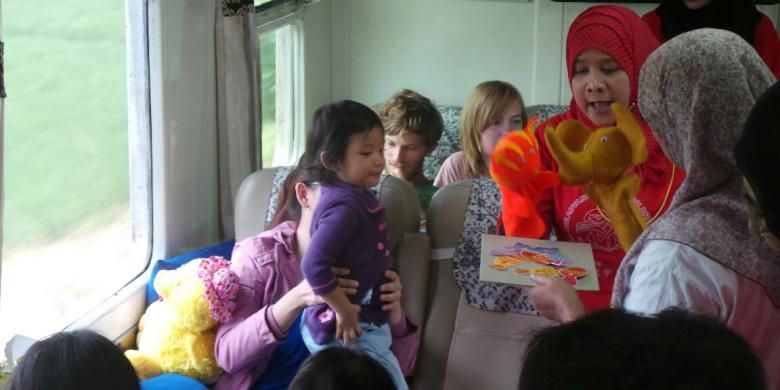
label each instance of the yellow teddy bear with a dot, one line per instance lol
(177, 333)
(600, 161)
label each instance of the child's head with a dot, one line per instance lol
(605, 48)
(615, 349)
(345, 142)
(494, 109)
(344, 369)
(413, 127)
(80, 359)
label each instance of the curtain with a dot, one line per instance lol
(238, 102)
(2, 143)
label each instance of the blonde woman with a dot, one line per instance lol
(494, 109)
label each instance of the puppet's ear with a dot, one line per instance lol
(633, 131)
(530, 131)
(574, 134)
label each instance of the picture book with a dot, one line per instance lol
(512, 260)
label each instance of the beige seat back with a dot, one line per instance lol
(461, 339)
(444, 222)
(256, 202)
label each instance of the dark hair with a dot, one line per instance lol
(332, 126)
(80, 359)
(288, 208)
(338, 368)
(613, 349)
(738, 16)
(757, 155)
(409, 111)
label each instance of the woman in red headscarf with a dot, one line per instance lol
(605, 48)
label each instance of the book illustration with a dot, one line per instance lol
(551, 262)
(513, 260)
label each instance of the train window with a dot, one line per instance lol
(70, 237)
(279, 30)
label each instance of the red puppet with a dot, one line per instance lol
(516, 168)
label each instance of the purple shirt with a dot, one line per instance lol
(268, 267)
(348, 230)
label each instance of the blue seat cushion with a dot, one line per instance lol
(224, 249)
(171, 381)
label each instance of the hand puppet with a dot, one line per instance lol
(600, 161)
(516, 168)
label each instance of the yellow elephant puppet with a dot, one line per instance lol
(599, 161)
(177, 332)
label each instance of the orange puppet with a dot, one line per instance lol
(516, 168)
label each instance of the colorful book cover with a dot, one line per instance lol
(512, 260)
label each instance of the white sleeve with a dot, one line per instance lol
(669, 274)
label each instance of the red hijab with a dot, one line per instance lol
(622, 34)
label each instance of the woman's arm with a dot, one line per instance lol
(289, 307)
(250, 337)
(406, 338)
(258, 326)
(670, 274)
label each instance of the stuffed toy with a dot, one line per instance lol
(516, 168)
(177, 332)
(599, 161)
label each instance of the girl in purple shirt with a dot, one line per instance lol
(344, 152)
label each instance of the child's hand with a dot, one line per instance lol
(347, 327)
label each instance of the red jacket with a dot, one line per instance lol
(766, 41)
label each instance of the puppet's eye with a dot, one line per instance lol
(604, 139)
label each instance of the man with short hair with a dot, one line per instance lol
(413, 127)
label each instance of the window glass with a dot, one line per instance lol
(280, 85)
(68, 241)
(268, 90)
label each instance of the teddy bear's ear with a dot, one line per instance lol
(633, 131)
(164, 283)
(167, 280)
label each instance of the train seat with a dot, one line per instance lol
(470, 323)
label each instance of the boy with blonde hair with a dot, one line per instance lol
(413, 127)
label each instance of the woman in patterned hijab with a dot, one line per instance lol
(696, 92)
